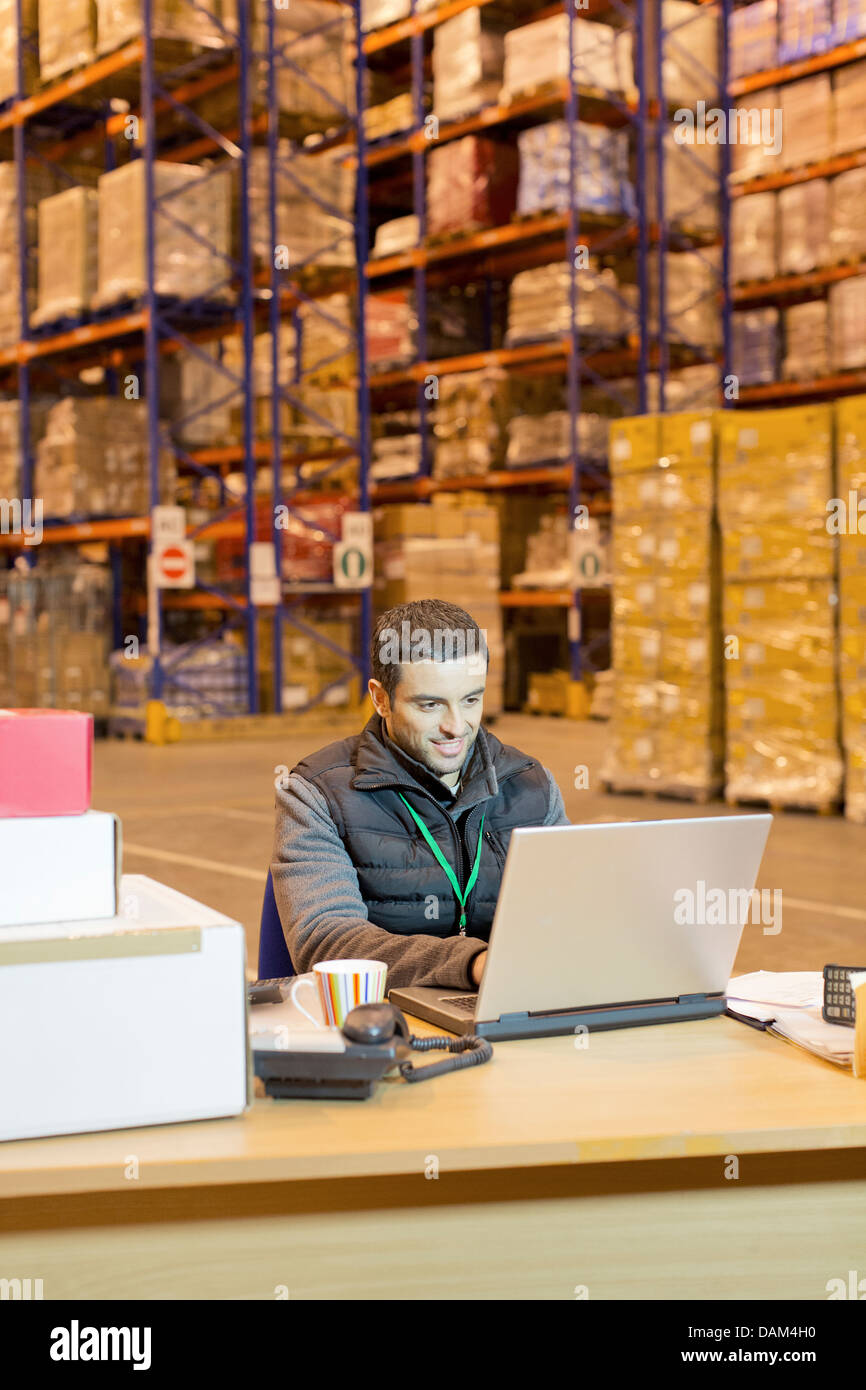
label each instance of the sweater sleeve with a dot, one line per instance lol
(323, 914)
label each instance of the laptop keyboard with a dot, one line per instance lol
(463, 1003)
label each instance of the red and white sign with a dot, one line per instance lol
(174, 565)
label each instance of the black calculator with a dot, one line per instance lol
(838, 994)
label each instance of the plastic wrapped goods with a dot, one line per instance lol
(396, 456)
(849, 20)
(389, 117)
(184, 267)
(757, 116)
(692, 310)
(67, 36)
(468, 55)
(753, 237)
(67, 255)
(848, 324)
(847, 223)
(9, 47)
(538, 53)
(319, 88)
(118, 21)
(327, 339)
(376, 14)
(471, 183)
(390, 324)
(805, 27)
(691, 55)
(395, 236)
(691, 172)
(93, 459)
(849, 108)
(539, 305)
(755, 346)
(806, 341)
(601, 182)
(534, 439)
(315, 208)
(471, 420)
(804, 226)
(201, 681)
(752, 38)
(39, 184)
(807, 120)
(851, 484)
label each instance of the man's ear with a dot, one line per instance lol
(379, 696)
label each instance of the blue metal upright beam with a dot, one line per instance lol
(573, 362)
(246, 310)
(151, 336)
(362, 251)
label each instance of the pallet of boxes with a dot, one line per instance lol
(448, 550)
(666, 723)
(851, 527)
(779, 608)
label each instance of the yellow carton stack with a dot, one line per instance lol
(67, 254)
(779, 559)
(456, 539)
(851, 455)
(666, 728)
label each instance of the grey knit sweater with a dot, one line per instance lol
(325, 917)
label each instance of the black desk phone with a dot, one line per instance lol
(376, 1040)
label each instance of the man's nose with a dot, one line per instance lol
(451, 723)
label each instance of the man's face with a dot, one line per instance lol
(435, 711)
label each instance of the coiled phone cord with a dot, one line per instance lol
(475, 1052)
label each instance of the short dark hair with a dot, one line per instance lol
(450, 633)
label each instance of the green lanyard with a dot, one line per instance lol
(461, 894)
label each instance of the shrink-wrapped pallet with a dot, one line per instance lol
(807, 121)
(851, 487)
(849, 20)
(67, 36)
(93, 459)
(692, 313)
(754, 254)
(317, 88)
(210, 25)
(755, 345)
(757, 150)
(666, 719)
(189, 248)
(849, 108)
(39, 183)
(315, 209)
(536, 54)
(471, 184)
(848, 324)
(690, 56)
(779, 560)
(470, 423)
(601, 175)
(805, 28)
(66, 255)
(807, 344)
(804, 226)
(752, 38)
(9, 45)
(847, 223)
(468, 56)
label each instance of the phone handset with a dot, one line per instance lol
(372, 1024)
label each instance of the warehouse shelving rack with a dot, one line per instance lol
(501, 250)
(797, 288)
(671, 43)
(74, 109)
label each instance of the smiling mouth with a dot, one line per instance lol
(448, 748)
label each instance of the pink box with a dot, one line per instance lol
(45, 762)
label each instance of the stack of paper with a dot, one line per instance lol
(789, 1005)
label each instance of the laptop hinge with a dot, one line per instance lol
(513, 1018)
(690, 998)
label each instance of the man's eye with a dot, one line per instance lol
(471, 700)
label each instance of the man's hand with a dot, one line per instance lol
(478, 965)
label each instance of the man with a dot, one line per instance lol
(390, 845)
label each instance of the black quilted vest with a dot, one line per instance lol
(401, 882)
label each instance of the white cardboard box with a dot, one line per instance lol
(138, 1019)
(55, 868)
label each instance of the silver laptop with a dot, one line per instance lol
(608, 926)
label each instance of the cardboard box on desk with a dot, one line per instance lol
(135, 1020)
(45, 763)
(58, 868)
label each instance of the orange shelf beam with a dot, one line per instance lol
(419, 23)
(795, 284)
(839, 384)
(536, 598)
(88, 76)
(824, 169)
(803, 67)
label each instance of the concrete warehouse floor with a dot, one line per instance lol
(199, 817)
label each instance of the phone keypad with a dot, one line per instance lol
(839, 1003)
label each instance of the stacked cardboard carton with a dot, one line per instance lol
(39, 184)
(315, 200)
(775, 479)
(118, 21)
(537, 53)
(468, 54)
(471, 183)
(54, 629)
(9, 37)
(851, 482)
(601, 174)
(450, 551)
(666, 729)
(66, 254)
(67, 36)
(327, 339)
(315, 669)
(471, 420)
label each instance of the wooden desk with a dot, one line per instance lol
(608, 1167)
